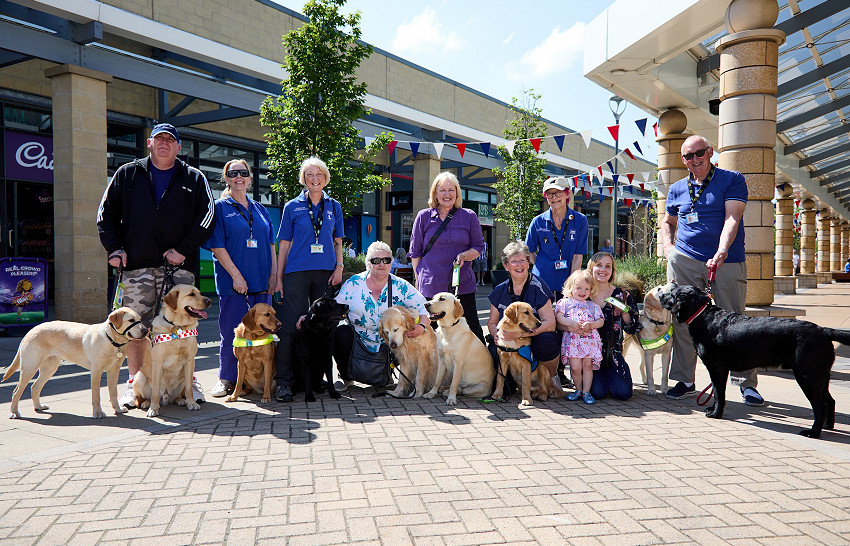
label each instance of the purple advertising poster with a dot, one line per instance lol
(29, 157)
(23, 291)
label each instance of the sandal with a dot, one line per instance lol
(575, 395)
(588, 398)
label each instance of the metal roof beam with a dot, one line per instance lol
(818, 138)
(9, 58)
(830, 168)
(815, 75)
(832, 152)
(814, 113)
(838, 182)
(810, 17)
(209, 116)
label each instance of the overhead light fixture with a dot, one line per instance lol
(618, 71)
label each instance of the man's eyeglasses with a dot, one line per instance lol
(375, 261)
(698, 153)
(233, 173)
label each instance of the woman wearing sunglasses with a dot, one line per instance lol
(366, 297)
(242, 245)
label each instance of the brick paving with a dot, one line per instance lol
(385, 471)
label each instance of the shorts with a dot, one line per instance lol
(142, 287)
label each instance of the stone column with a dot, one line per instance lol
(808, 255)
(671, 125)
(747, 127)
(823, 240)
(835, 263)
(425, 170)
(79, 153)
(845, 243)
(784, 281)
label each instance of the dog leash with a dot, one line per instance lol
(712, 273)
(118, 298)
(167, 284)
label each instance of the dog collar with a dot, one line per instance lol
(242, 342)
(179, 334)
(655, 322)
(648, 344)
(698, 313)
(507, 349)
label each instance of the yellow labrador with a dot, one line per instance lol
(254, 350)
(166, 374)
(654, 339)
(417, 356)
(97, 347)
(459, 352)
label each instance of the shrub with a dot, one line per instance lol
(636, 272)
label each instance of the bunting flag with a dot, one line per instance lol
(615, 131)
(610, 190)
(536, 143)
(414, 148)
(392, 146)
(509, 145)
(630, 176)
(615, 177)
(645, 176)
(655, 128)
(586, 194)
(485, 147)
(575, 181)
(641, 125)
(637, 146)
(619, 158)
(587, 135)
(559, 140)
(628, 202)
(368, 141)
(601, 178)
(438, 148)
(461, 147)
(641, 188)
(629, 153)
(610, 166)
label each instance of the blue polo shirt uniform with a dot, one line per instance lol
(234, 225)
(553, 246)
(697, 237)
(297, 227)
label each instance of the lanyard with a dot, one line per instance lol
(695, 197)
(250, 218)
(317, 224)
(521, 297)
(563, 233)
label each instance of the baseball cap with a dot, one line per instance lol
(165, 128)
(556, 183)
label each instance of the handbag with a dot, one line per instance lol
(367, 367)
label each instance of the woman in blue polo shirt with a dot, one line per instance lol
(310, 254)
(244, 259)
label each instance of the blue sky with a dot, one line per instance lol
(500, 48)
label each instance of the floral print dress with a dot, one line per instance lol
(575, 345)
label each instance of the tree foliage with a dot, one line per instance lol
(520, 183)
(320, 101)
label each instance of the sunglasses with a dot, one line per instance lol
(375, 261)
(698, 153)
(233, 173)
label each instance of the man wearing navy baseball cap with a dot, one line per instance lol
(155, 212)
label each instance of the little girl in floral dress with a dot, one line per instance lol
(582, 351)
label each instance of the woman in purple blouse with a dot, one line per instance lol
(458, 244)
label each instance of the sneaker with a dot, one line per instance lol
(681, 391)
(222, 388)
(341, 385)
(197, 391)
(283, 394)
(575, 395)
(588, 399)
(751, 397)
(128, 399)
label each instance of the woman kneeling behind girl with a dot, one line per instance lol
(582, 351)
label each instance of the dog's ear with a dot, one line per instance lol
(458, 309)
(171, 298)
(249, 320)
(409, 321)
(333, 290)
(115, 318)
(512, 313)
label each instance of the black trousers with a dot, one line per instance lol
(470, 313)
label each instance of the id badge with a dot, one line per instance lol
(316, 248)
(692, 217)
(251, 243)
(561, 264)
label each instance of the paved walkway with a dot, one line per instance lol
(387, 471)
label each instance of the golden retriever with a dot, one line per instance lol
(166, 374)
(655, 338)
(519, 317)
(417, 356)
(459, 352)
(97, 347)
(256, 362)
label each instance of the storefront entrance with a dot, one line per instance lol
(28, 217)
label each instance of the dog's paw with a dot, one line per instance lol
(192, 406)
(145, 404)
(120, 409)
(526, 403)
(231, 398)
(41, 407)
(430, 394)
(451, 401)
(334, 394)
(14, 415)
(650, 392)
(181, 402)
(712, 413)
(153, 412)
(266, 400)
(98, 414)
(309, 397)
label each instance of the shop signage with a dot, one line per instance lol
(400, 200)
(29, 157)
(23, 291)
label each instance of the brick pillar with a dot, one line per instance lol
(835, 263)
(784, 266)
(823, 240)
(845, 243)
(747, 127)
(808, 254)
(671, 125)
(79, 154)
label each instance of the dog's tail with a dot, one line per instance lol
(12, 367)
(841, 336)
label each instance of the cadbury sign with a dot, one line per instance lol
(29, 157)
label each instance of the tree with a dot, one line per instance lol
(320, 101)
(519, 184)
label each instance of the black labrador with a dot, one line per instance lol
(312, 348)
(727, 341)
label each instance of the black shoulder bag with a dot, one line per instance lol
(364, 366)
(437, 233)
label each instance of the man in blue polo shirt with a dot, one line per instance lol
(704, 214)
(557, 238)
